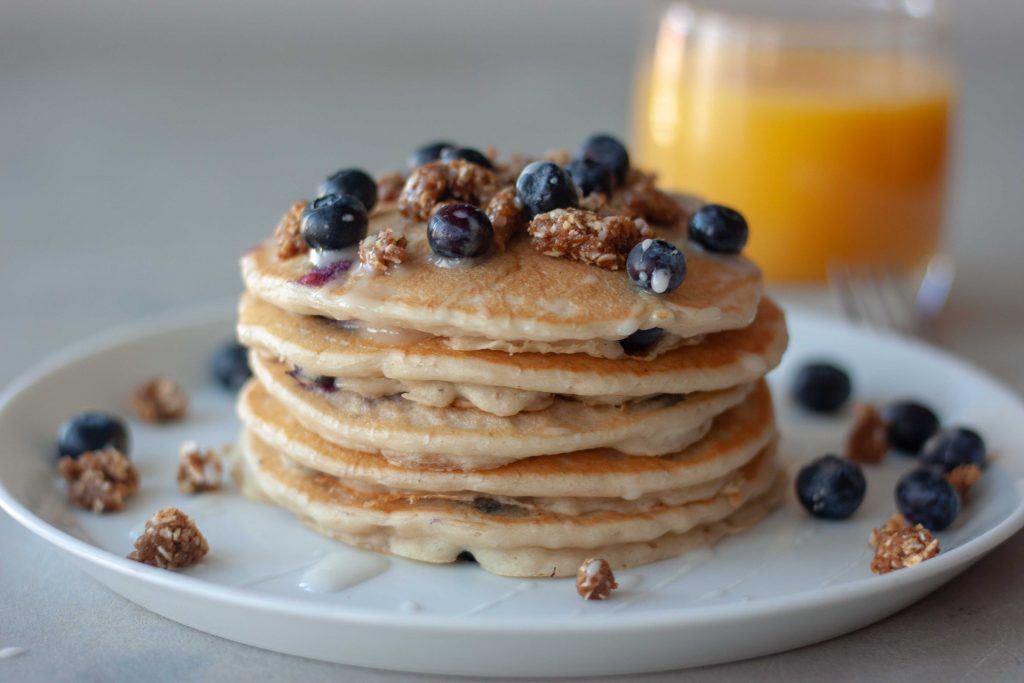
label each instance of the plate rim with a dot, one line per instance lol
(215, 312)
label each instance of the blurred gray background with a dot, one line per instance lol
(143, 146)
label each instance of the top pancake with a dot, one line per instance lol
(516, 294)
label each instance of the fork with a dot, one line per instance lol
(882, 297)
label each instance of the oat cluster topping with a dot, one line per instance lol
(595, 580)
(582, 235)
(506, 215)
(288, 233)
(99, 481)
(868, 439)
(893, 524)
(171, 540)
(962, 478)
(199, 470)
(641, 198)
(389, 186)
(160, 399)
(902, 547)
(440, 181)
(383, 250)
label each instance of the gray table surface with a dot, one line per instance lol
(142, 148)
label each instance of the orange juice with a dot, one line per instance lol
(834, 157)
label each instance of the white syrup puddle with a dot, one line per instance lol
(8, 652)
(518, 590)
(276, 575)
(342, 570)
(410, 607)
(629, 582)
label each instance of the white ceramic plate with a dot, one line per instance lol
(789, 582)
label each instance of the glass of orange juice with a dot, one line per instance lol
(825, 122)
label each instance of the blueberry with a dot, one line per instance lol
(459, 230)
(656, 265)
(925, 497)
(641, 340)
(821, 387)
(718, 228)
(334, 222)
(92, 431)
(830, 487)
(429, 152)
(359, 184)
(954, 447)
(591, 176)
(544, 186)
(230, 366)
(466, 154)
(606, 150)
(910, 425)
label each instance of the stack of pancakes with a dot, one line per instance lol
(489, 410)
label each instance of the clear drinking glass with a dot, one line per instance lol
(826, 122)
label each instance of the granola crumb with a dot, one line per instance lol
(288, 233)
(99, 481)
(893, 524)
(171, 540)
(389, 186)
(903, 548)
(198, 470)
(383, 250)
(962, 478)
(868, 439)
(640, 197)
(581, 235)
(558, 156)
(439, 181)
(160, 399)
(506, 214)
(595, 580)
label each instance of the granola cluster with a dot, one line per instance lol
(582, 235)
(898, 545)
(171, 540)
(199, 470)
(440, 181)
(100, 481)
(595, 580)
(506, 215)
(383, 250)
(962, 478)
(288, 234)
(868, 439)
(641, 198)
(389, 186)
(160, 399)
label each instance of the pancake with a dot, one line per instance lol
(319, 346)
(414, 435)
(735, 437)
(515, 294)
(438, 530)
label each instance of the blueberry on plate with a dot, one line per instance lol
(821, 387)
(334, 222)
(590, 176)
(353, 181)
(830, 487)
(951, 448)
(656, 265)
(607, 151)
(910, 424)
(466, 154)
(92, 431)
(459, 231)
(924, 497)
(230, 366)
(429, 152)
(543, 186)
(719, 229)
(641, 340)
